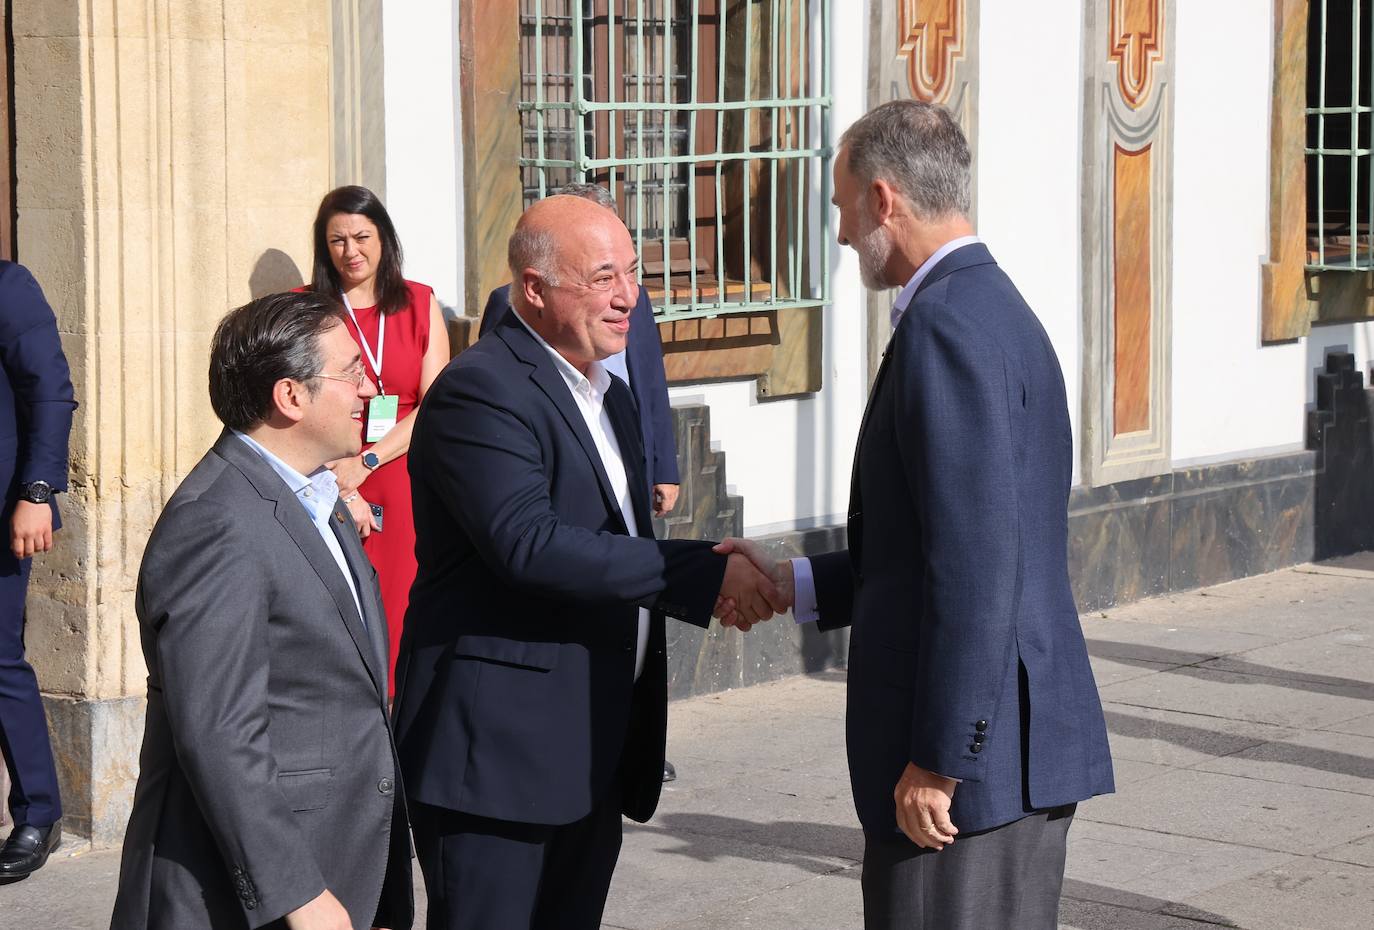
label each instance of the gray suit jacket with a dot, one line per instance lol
(267, 773)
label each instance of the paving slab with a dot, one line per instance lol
(1243, 811)
(1309, 894)
(1360, 852)
(668, 877)
(1290, 702)
(1158, 865)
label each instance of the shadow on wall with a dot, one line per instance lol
(274, 272)
(1340, 429)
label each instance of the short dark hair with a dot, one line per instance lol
(262, 342)
(392, 296)
(919, 149)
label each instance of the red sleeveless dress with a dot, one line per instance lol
(392, 551)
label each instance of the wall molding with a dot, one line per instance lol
(1127, 235)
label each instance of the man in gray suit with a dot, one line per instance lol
(268, 792)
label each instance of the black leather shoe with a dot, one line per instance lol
(669, 773)
(26, 850)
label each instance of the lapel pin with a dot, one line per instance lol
(338, 516)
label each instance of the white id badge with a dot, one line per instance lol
(381, 416)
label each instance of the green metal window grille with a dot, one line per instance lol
(1340, 169)
(708, 121)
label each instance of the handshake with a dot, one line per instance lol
(755, 586)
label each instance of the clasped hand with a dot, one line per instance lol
(756, 586)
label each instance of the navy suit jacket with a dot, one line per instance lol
(516, 697)
(644, 360)
(966, 654)
(36, 400)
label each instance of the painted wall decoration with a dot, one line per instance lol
(922, 50)
(1127, 218)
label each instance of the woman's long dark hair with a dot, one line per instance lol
(392, 296)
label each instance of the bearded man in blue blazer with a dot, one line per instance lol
(974, 724)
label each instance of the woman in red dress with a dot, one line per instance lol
(401, 334)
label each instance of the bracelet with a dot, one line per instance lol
(351, 498)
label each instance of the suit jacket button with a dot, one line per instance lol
(386, 786)
(979, 737)
(981, 725)
(976, 747)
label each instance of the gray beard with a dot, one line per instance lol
(874, 248)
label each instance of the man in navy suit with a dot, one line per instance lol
(973, 725)
(36, 405)
(531, 700)
(640, 364)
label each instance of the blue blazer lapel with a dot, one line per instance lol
(296, 522)
(544, 374)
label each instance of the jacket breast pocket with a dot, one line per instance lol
(308, 790)
(537, 656)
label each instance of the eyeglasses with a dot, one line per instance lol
(353, 375)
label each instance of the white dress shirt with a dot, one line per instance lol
(589, 392)
(317, 495)
(805, 609)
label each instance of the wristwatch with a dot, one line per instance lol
(36, 492)
(370, 461)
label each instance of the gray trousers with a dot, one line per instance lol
(1006, 877)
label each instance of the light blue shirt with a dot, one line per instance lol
(317, 495)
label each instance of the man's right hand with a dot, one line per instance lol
(747, 596)
(778, 572)
(323, 913)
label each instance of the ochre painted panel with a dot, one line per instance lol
(1131, 276)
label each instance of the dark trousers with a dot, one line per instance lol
(483, 874)
(23, 727)
(1010, 876)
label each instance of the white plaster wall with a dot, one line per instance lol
(1233, 397)
(423, 145)
(791, 458)
(1030, 165)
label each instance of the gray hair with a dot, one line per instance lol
(917, 148)
(593, 192)
(531, 247)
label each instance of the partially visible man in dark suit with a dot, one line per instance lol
(531, 705)
(36, 405)
(974, 725)
(640, 364)
(267, 790)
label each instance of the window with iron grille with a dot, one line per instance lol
(708, 121)
(1340, 195)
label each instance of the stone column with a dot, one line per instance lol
(170, 154)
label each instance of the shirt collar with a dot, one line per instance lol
(909, 292)
(320, 489)
(597, 379)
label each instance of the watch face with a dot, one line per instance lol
(370, 459)
(37, 492)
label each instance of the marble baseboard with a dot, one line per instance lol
(96, 745)
(1190, 528)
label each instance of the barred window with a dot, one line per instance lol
(1340, 195)
(708, 121)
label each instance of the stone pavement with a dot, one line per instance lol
(1242, 724)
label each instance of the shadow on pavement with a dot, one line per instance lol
(1215, 743)
(1086, 906)
(708, 837)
